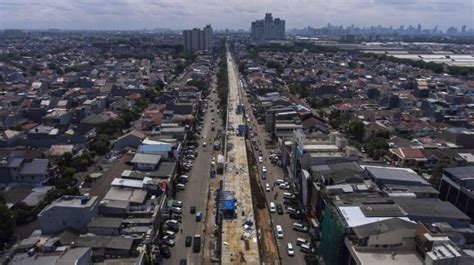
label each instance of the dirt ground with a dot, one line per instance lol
(268, 248)
(102, 185)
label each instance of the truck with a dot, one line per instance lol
(197, 244)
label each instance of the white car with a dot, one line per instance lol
(290, 250)
(272, 207)
(279, 231)
(285, 186)
(204, 144)
(267, 187)
(279, 181)
(260, 159)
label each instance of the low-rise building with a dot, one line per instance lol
(68, 212)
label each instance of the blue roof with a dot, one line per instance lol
(151, 148)
(229, 205)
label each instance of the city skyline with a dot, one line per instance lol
(132, 15)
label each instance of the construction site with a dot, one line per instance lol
(239, 232)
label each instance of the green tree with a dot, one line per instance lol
(356, 129)
(23, 213)
(7, 224)
(69, 172)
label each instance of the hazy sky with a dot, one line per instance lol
(177, 14)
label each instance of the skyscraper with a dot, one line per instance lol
(197, 39)
(268, 29)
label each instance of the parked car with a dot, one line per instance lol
(267, 187)
(176, 210)
(188, 241)
(180, 186)
(272, 207)
(279, 209)
(306, 248)
(301, 241)
(279, 231)
(290, 250)
(177, 203)
(284, 186)
(192, 210)
(168, 241)
(165, 252)
(300, 227)
(260, 159)
(170, 234)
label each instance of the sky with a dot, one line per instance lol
(231, 14)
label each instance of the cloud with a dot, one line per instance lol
(135, 14)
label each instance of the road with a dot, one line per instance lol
(275, 172)
(196, 189)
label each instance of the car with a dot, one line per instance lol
(188, 241)
(178, 203)
(176, 210)
(290, 250)
(288, 195)
(284, 186)
(272, 207)
(204, 144)
(300, 227)
(260, 153)
(176, 217)
(260, 159)
(267, 187)
(212, 110)
(198, 216)
(192, 210)
(183, 178)
(170, 234)
(168, 241)
(165, 252)
(183, 262)
(279, 209)
(213, 129)
(279, 181)
(301, 241)
(306, 248)
(180, 186)
(212, 122)
(279, 231)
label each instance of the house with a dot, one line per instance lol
(105, 226)
(457, 187)
(60, 149)
(131, 139)
(34, 171)
(343, 108)
(68, 212)
(149, 146)
(407, 157)
(146, 162)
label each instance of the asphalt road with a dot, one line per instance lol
(275, 172)
(196, 190)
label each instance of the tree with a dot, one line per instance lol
(23, 213)
(356, 129)
(7, 224)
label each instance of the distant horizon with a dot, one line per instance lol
(394, 27)
(111, 15)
